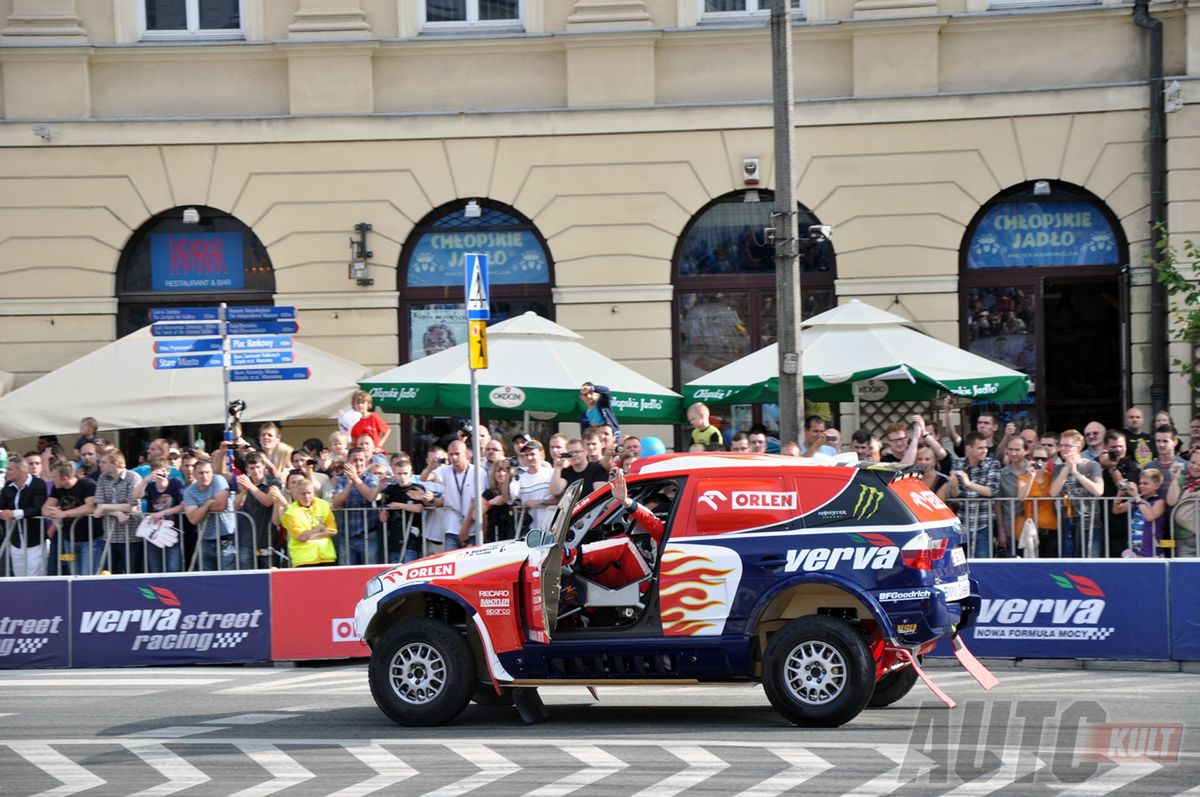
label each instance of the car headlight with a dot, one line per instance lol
(374, 587)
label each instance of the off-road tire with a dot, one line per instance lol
(421, 673)
(818, 671)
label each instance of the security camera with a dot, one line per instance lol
(191, 216)
(820, 232)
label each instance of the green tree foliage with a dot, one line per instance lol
(1179, 271)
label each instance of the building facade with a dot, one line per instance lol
(985, 165)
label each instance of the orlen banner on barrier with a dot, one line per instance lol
(1071, 609)
(175, 619)
(34, 623)
(312, 611)
(1185, 617)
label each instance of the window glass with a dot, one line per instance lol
(714, 330)
(740, 6)
(446, 10)
(219, 15)
(1001, 326)
(435, 327)
(730, 238)
(166, 14)
(490, 10)
(724, 504)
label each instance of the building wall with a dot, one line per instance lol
(610, 124)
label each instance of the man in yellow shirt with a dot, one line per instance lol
(310, 528)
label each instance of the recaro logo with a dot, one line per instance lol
(869, 499)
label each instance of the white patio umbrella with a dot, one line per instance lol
(535, 366)
(119, 386)
(857, 350)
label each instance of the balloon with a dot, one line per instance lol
(652, 445)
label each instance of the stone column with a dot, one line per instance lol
(330, 77)
(30, 68)
(594, 14)
(328, 18)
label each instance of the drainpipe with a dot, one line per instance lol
(1159, 394)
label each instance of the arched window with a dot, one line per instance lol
(519, 270)
(724, 280)
(204, 262)
(432, 312)
(1041, 293)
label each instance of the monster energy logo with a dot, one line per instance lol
(868, 502)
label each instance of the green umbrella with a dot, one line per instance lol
(534, 366)
(857, 349)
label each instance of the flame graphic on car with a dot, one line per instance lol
(689, 585)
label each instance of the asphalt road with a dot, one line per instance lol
(315, 730)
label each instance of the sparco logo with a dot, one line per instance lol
(868, 502)
(508, 397)
(879, 558)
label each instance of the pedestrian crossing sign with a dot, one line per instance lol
(477, 286)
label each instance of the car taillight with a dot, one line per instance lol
(922, 551)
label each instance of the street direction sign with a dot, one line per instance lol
(268, 374)
(183, 314)
(185, 330)
(259, 313)
(477, 351)
(186, 346)
(263, 327)
(189, 361)
(261, 357)
(260, 344)
(478, 308)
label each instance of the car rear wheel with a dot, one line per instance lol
(421, 673)
(892, 687)
(818, 671)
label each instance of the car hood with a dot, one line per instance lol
(459, 563)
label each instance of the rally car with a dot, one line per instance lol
(826, 581)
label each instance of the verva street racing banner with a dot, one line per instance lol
(152, 620)
(34, 623)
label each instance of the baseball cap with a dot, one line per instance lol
(532, 445)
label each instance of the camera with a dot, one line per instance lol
(820, 232)
(441, 460)
(1114, 454)
(236, 408)
(1126, 484)
(1038, 465)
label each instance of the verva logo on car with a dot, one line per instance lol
(922, 501)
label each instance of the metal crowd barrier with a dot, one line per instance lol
(363, 538)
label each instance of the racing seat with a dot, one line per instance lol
(611, 573)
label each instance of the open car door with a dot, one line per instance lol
(542, 574)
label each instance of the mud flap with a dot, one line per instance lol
(972, 665)
(905, 655)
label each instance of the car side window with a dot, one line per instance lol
(737, 503)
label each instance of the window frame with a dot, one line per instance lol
(472, 22)
(761, 8)
(193, 31)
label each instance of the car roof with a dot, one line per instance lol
(663, 464)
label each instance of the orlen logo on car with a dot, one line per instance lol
(507, 397)
(754, 499)
(429, 571)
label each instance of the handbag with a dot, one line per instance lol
(1029, 539)
(160, 533)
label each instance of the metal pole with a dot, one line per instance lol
(226, 358)
(787, 272)
(475, 454)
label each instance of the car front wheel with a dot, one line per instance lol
(422, 673)
(818, 671)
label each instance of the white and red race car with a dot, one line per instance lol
(825, 581)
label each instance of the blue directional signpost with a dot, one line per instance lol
(238, 340)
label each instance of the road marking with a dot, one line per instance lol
(492, 766)
(600, 765)
(285, 771)
(390, 768)
(326, 679)
(1116, 778)
(701, 765)
(804, 766)
(179, 773)
(73, 777)
(249, 719)
(89, 682)
(174, 732)
(908, 764)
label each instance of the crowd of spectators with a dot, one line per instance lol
(346, 500)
